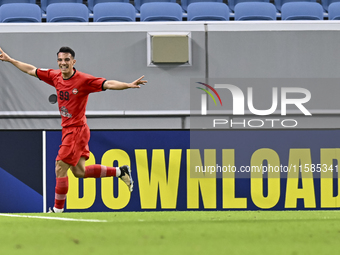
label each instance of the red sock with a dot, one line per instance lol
(98, 171)
(61, 189)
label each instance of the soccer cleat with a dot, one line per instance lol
(50, 210)
(126, 176)
(54, 210)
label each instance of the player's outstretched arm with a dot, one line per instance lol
(26, 68)
(118, 85)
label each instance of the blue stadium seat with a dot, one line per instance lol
(255, 11)
(45, 3)
(326, 3)
(17, 1)
(302, 11)
(334, 11)
(208, 11)
(20, 12)
(67, 12)
(92, 3)
(279, 3)
(113, 12)
(161, 11)
(186, 3)
(139, 3)
(233, 3)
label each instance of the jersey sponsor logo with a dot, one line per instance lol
(64, 112)
(43, 69)
(75, 91)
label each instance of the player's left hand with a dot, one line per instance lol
(138, 82)
(4, 56)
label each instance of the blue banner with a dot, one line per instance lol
(207, 170)
(21, 171)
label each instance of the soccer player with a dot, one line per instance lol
(73, 88)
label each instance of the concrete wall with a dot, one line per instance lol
(223, 50)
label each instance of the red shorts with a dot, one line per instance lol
(74, 144)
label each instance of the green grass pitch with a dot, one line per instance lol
(173, 232)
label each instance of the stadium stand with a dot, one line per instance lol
(233, 3)
(114, 12)
(208, 11)
(92, 3)
(334, 11)
(302, 11)
(17, 1)
(45, 3)
(255, 11)
(279, 3)
(326, 3)
(139, 3)
(161, 11)
(246, 10)
(186, 3)
(67, 12)
(20, 12)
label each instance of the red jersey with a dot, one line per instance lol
(72, 93)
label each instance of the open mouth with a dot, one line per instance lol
(63, 68)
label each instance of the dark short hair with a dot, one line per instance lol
(65, 49)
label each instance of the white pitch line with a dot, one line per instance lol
(50, 218)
